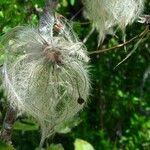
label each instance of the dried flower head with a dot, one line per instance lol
(46, 74)
(105, 14)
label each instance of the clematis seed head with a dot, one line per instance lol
(107, 14)
(45, 73)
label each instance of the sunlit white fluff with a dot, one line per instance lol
(48, 91)
(105, 14)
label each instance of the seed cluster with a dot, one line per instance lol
(107, 14)
(46, 74)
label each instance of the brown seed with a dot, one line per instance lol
(80, 100)
(53, 56)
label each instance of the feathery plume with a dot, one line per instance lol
(46, 73)
(106, 14)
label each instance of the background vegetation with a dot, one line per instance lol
(117, 116)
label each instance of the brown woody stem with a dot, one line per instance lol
(120, 45)
(8, 124)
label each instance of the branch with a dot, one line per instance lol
(48, 15)
(8, 123)
(51, 3)
(121, 45)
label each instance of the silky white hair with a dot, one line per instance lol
(105, 14)
(50, 91)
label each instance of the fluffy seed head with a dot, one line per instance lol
(46, 74)
(105, 14)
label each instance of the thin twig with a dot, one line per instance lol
(121, 45)
(74, 16)
(89, 34)
(134, 49)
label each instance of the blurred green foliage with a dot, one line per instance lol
(117, 116)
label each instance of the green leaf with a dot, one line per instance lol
(64, 3)
(55, 147)
(67, 126)
(26, 125)
(4, 146)
(6, 29)
(2, 57)
(5, 2)
(1, 14)
(38, 2)
(72, 2)
(120, 93)
(82, 145)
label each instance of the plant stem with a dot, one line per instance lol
(120, 45)
(8, 123)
